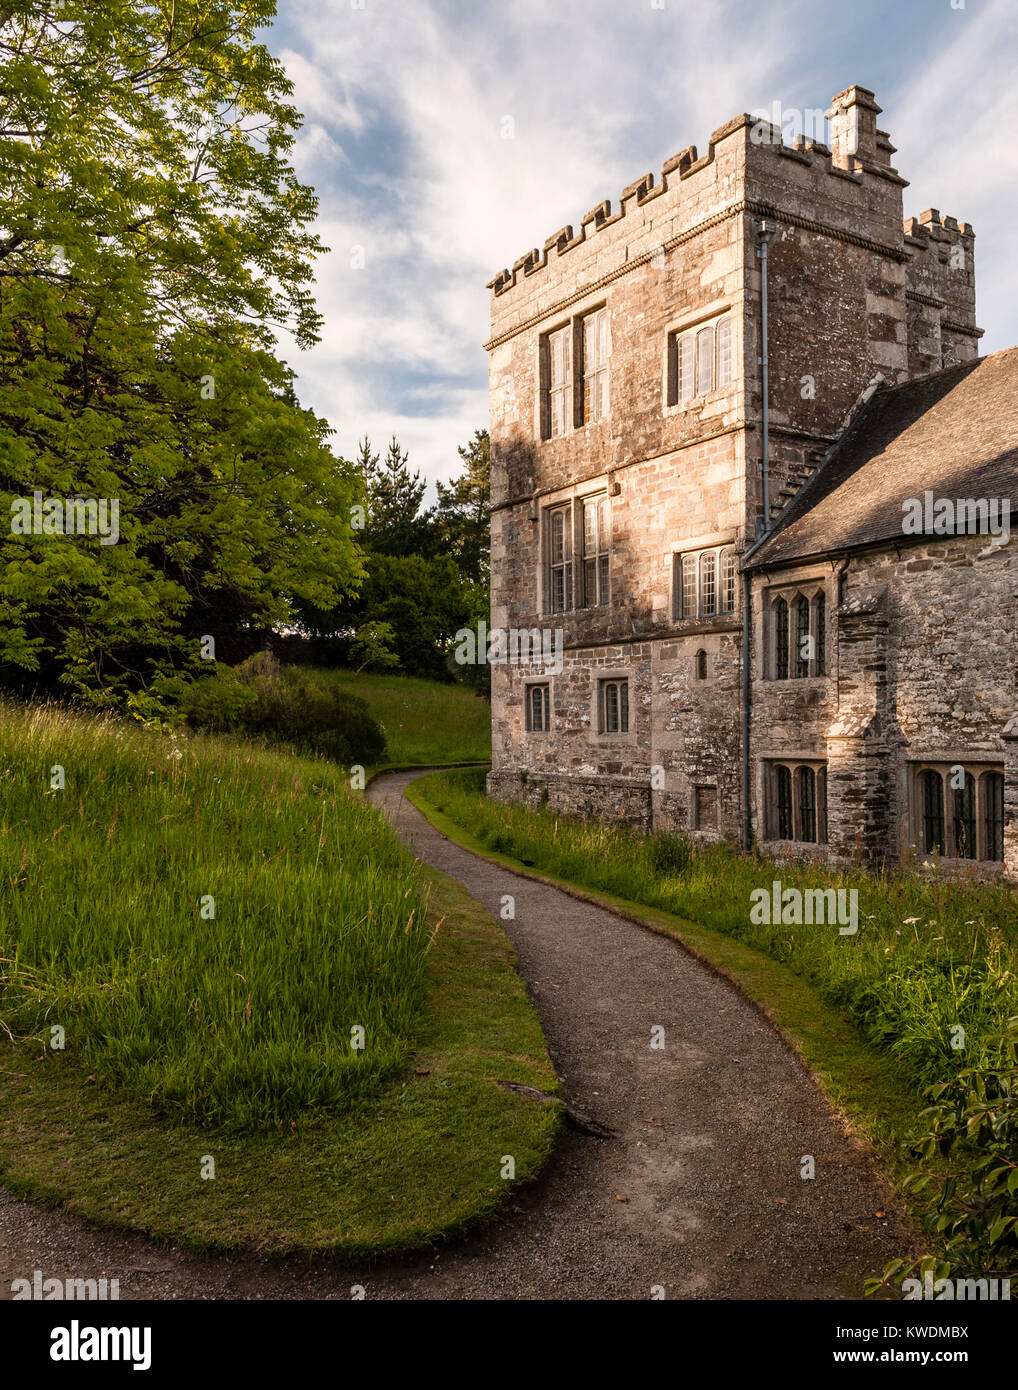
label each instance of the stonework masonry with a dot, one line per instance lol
(859, 300)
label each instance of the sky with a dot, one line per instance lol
(446, 137)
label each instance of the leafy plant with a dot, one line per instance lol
(670, 854)
(973, 1214)
(372, 646)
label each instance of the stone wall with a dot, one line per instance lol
(920, 668)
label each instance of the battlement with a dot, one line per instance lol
(635, 195)
(859, 154)
(930, 227)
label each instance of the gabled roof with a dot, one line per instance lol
(954, 433)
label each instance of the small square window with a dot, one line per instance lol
(705, 808)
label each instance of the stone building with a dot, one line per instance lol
(836, 677)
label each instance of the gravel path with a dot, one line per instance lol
(699, 1193)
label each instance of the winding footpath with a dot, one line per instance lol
(699, 1193)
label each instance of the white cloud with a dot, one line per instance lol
(405, 105)
(314, 93)
(583, 82)
(954, 125)
(315, 151)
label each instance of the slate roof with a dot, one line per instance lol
(954, 433)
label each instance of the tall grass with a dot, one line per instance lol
(107, 894)
(929, 954)
(424, 721)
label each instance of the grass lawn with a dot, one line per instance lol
(229, 1035)
(425, 722)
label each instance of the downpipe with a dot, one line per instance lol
(764, 233)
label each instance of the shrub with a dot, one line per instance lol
(972, 1213)
(291, 705)
(219, 702)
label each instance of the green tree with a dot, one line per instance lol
(396, 524)
(464, 510)
(154, 240)
(372, 646)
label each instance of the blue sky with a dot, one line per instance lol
(422, 199)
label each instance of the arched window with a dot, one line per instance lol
(933, 811)
(708, 583)
(781, 640)
(539, 709)
(820, 635)
(611, 708)
(965, 818)
(784, 781)
(993, 786)
(595, 551)
(701, 665)
(807, 805)
(728, 572)
(560, 560)
(614, 707)
(686, 385)
(802, 636)
(704, 361)
(724, 352)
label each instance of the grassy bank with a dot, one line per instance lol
(206, 921)
(191, 1029)
(425, 722)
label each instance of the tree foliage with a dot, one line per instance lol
(154, 240)
(396, 524)
(464, 509)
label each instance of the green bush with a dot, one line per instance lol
(220, 702)
(292, 705)
(973, 1212)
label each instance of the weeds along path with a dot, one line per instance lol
(699, 1192)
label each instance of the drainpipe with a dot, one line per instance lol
(764, 233)
(747, 702)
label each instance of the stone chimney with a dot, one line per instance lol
(855, 140)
